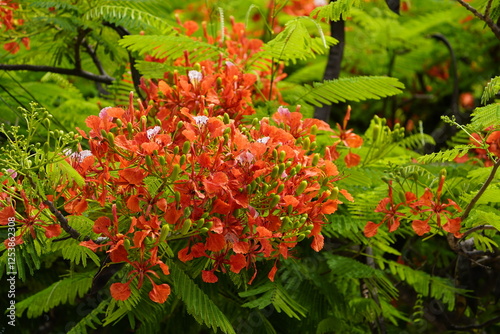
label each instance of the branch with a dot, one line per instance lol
(494, 28)
(95, 60)
(106, 79)
(482, 190)
(63, 221)
(478, 326)
(478, 228)
(136, 76)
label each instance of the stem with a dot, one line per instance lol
(42, 68)
(486, 18)
(478, 228)
(481, 191)
(63, 221)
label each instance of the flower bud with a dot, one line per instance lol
(164, 232)
(306, 143)
(186, 146)
(119, 122)
(175, 172)
(275, 199)
(186, 226)
(315, 159)
(300, 189)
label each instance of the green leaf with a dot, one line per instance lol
(349, 89)
(275, 294)
(64, 291)
(198, 304)
(485, 117)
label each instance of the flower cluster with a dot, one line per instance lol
(240, 50)
(232, 191)
(429, 208)
(9, 22)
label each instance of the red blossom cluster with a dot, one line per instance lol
(7, 20)
(235, 191)
(422, 211)
(239, 51)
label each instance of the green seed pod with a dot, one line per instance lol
(275, 199)
(186, 147)
(289, 209)
(176, 150)
(175, 172)
(300, 189)
(162, 160)
(219, 82)
(255, 122)
(119, 122)
(126, 243)
(164, 232)
(281, 187)
(104, 134)
(205, 215)
(204, 230)
(186, 226)
(315, 159)
(293, 171)
(303, 219)
(226, 131)
(402, 197)
(46, 122)
(180, 125)
(301, 237)
(306, 143)
(130, 129)
(226, 119)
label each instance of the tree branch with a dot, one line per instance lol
(63, 221)
(494, 28)
(478, 326)
(136, 76)
(106, 79)
(481, 191)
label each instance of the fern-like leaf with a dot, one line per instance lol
(61, 292)
(292, 44)
(90, 320)
(198, 304)
(129, 17)
(275, 294)
(487, 116)
(335, 10)
(445, 156)
(349, 89)
(491, 89)
(171, 46)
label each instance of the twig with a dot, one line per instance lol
(478, 228)
(95, 60)
(63, 221)
(106, 79)
(478, 326)
(136, 76)
(488, 7)
(481, 191)
(494, 28)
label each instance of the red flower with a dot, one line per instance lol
(432, 203)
